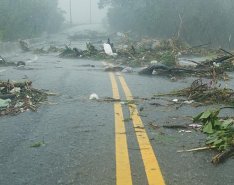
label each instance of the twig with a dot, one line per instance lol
(198, 46)
(197, 149)
(226, 52)
(228, 107)
(175, 126)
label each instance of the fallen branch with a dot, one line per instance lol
(226, 52)
(175, 126)
(197, 149)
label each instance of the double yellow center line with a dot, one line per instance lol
(123, 169)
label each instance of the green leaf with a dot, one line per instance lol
(197, 118)
(217, 123)
(218, 142)
(211, 140)
(206, 114)
(208, 128)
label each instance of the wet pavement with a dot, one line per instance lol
(79, 134)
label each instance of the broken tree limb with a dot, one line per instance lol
(219, 60)
(175, 126)
(197, 149)
(226, 51)
(228, 107)
(198, 46)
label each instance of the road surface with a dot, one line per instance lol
(91, 142)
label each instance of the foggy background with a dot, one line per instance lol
(81, 11)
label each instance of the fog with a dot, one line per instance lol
(81, 11)
(194, 21)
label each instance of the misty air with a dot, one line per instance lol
(116, 92)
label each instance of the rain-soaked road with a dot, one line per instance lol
(88, 143)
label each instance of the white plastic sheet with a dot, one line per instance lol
(108, 49)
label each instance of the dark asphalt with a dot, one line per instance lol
(79, 133)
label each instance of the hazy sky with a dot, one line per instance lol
(81, 11)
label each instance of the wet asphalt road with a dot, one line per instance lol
(79, 133)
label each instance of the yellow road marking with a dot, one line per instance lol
(152, 168)
(123, 170)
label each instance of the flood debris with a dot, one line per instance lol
(196, 149)
(24, 45)
(93, 96)
(20, 63)
(70, 53)
(90, 51)
(204, 93)
(109, 99)
(220, 134)
(38, 144)
(185, 131)
(4, 62)
(113, 68)
(17, 97)
(175, 126)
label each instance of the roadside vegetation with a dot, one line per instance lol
(28, 18)
(195, 21)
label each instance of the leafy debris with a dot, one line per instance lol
(220, 133)
(205, 93)
(22, 96)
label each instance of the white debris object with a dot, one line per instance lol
(216, 64)
(185, 131)
(195, 125)
(108, 50)
(93, 97)
(15, 90)
(175, 100)
(189, 102)
(154, 62)
(173, 78)
(154, 72)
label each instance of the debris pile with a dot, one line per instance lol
(205, 93)
(132, 53)
(215, 68)
(16, 97)
(91, 51)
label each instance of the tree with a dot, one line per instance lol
(195, 21)
(28, 18)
